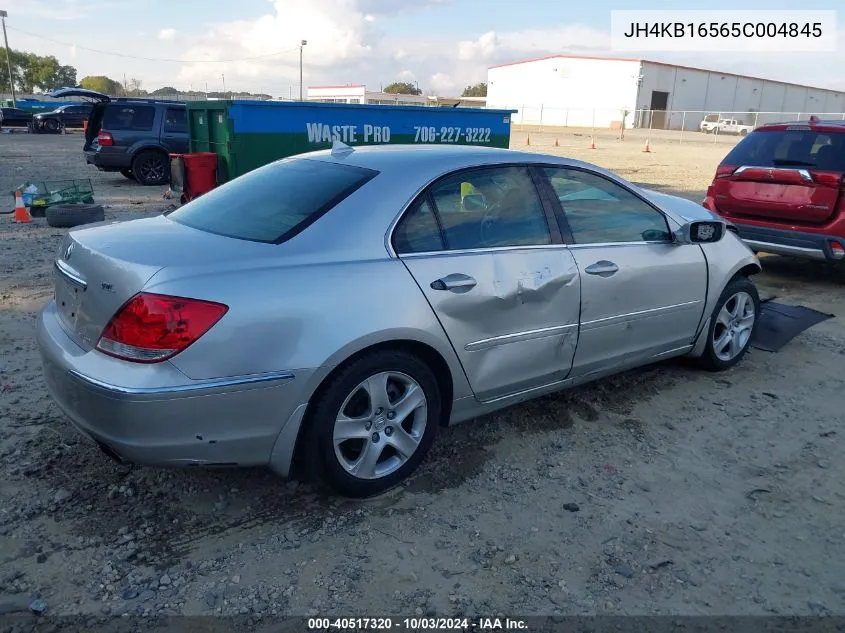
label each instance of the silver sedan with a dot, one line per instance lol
(326, 314)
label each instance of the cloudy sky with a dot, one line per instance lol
(442, 45)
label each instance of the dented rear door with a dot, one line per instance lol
(510, 314)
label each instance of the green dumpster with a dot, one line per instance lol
(248, 134)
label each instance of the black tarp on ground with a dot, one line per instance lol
(779, 323)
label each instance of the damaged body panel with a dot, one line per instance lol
(515, 316)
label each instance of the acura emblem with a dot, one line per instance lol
(68, 250)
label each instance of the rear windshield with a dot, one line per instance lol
(129, 117)
(790, 148)
(275, 202)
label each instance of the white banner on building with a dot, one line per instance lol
(719, 31)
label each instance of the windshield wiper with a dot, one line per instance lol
(796, 163)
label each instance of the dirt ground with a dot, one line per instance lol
(661, 491)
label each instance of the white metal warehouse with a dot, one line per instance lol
(575, 90)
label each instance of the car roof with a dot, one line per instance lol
(355, 227)
(420, 163)
(835, 126)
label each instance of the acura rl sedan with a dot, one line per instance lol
(325, 315)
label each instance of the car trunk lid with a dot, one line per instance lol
(100, 268)
(95, 118)
(794, 174)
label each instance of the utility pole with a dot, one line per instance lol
(3, 16)
(224, 84)
(301, 46)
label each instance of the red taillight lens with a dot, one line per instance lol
(837, 250)
(105, 139)
(725, 170)
(150, 328)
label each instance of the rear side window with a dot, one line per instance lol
(275, 202)
(175, 120)
(129, 117)
(790, 148)
(418, 231)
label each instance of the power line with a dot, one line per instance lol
(154, 59)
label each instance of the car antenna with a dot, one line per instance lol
(340, 148)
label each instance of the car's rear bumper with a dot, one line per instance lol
(790, 242)
(153, 414)
(108, 160)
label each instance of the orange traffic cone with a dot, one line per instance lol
(647, 148)
(21, 212)
(556, 143)
(592, 143)
(528, 140)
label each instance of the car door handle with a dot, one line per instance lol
(603, 268)
(455, 281)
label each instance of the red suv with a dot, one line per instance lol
(783, 186)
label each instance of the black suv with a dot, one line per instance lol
(62, 117)
(133, 135)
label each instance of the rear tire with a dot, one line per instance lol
(151, 167)
(127, 173)
(65, 216)
(350, 435)
(728, 339)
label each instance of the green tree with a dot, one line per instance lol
(31, 72)
(134, 89)
(165, 90)
(478, 90)
(101, 83)
(403, 88)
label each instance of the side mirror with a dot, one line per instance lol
(700, 232)
(474, 202)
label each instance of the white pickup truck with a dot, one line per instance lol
(724, 126)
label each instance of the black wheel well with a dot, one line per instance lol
(144, 150)
(747, 271)
(426, 353)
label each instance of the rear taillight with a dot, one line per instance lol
(150, 328)
(829, 178)
(105, 139)
(725, 170)
(837, 250)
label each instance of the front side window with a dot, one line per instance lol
(599, 211)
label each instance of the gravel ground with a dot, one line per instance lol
(661, 491)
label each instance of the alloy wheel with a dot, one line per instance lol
(734, 325)
(380, 425)
(152, 169)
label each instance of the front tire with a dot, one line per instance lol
(732, 325)
(373, 424)
(51, 126)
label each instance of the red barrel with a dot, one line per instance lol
(200, 173)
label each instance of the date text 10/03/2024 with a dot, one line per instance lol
(322, 133)
(417, 624)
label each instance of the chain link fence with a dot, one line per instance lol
(674, 125)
